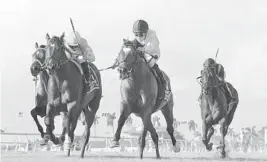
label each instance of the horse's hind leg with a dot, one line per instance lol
(125, 112)
(34, 114)
(167, 112)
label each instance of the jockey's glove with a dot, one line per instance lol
(141, 49)
(152, 62)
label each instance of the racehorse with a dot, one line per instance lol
(139, 94)
(214, 107)
(66, 87)
(36, 68)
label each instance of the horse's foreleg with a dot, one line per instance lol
(125, 112)
(209, 135)
(154, 134)
(71, 122)
(205, 129)
(89, 120)
(39, 126)
(143, 141)
(223, 130)
(49, 122)
(61, 138)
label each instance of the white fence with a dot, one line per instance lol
(29, 142)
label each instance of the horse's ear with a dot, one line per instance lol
(47, 36)
(62, 36)
(36, 45)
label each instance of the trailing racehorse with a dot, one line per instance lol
(66, 87)
(214, 106)
(142, 95)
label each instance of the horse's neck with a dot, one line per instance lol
(141, 71)
(43, 81)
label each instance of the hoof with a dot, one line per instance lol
(115, 144)
(44, 141)
(209, 148)
(176, 148)
(223, 154)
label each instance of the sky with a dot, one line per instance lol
(189, 32)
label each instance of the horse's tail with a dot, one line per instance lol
(233, 103)
(167, 78)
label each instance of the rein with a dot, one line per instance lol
(210, 84)
(130, 67)
(59, 63)
(43, 66)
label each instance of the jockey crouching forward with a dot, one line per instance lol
(220, 74)
(79, 50)
(148, 38)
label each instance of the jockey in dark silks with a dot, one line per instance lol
(150, 49)
(220, 74)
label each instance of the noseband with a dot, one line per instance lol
(208, 85)
(129, 67)
(59, 61)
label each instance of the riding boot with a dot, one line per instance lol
(163, 81)
(89, 79)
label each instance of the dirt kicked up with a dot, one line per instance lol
(47, 156)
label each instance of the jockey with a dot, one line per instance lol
(148, 38)
(79, 49)
(220, 74)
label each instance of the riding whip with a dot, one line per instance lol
(105, 68)
(216, 54)
(76, 35)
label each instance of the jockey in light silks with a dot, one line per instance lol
(220, 74)
(79, 49)
(148, 38)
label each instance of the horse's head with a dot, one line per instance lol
(128, 57)
(208, 76)
(55, 52)
(38, 58)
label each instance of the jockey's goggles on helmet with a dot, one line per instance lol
(139, 34)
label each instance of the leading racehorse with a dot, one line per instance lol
(37, 71)
(214, 107)
(41, 77)
(66, 86)
(140, 95)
